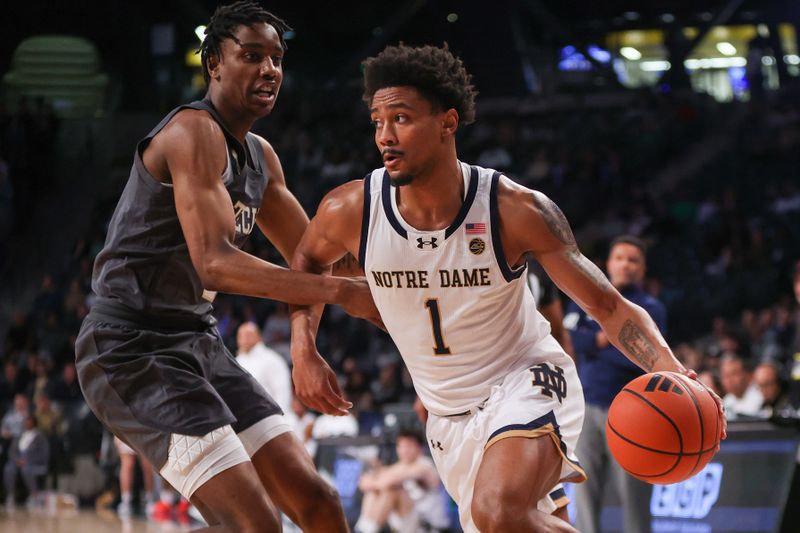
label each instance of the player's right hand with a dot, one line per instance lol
(357, 301)
(316, 386)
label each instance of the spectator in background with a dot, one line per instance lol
(769, 377)
(66, 389)
(29, 456)
(407, 494)
(741, 394)
(49, 418)
(8, 383)
(51, 422)
(710, 378)
(41, 382)
(14, 420)
(266, 365)
(604, 371)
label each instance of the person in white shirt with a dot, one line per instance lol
(406, 494)
(742, 397)
(266, 365)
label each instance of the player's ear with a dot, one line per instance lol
(449, 122)
(213, 66)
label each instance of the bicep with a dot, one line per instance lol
(202, 203)
(334, 231)
(282, 219)
(548, 236)
(318, 248)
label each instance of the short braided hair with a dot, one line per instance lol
(224, 22)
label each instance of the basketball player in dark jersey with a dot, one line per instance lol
(151, 363)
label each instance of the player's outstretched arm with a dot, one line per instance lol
(191, 149)
(331, 234)
(532, 222)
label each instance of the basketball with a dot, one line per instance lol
(663, 427)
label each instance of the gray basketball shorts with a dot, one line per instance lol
(144, 385)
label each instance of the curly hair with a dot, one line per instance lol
(225, 21)
(435, 72)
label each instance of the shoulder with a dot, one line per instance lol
(192, 124)
(191, 135)
(530, 220)
(346, 199)
(520, 201)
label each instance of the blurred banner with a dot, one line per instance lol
(745, 488)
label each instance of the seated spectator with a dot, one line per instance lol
(13, 422)
(41, 382)
(28, 456)
(771, 382)
(49, 417)
(51, 422)
(65, 389)
(407, 494)
(741, 394)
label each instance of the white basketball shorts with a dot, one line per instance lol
(540, 400)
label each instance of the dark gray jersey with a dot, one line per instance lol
(145, 264)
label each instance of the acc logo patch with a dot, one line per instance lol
(477, 246)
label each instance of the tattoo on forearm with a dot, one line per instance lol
(589, 268)
(638, 345)
(554, 218)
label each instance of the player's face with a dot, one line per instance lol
(408, 132)
(250, 71)
(625, 265)
(408, 450)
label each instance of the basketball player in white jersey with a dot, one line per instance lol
(443, 245)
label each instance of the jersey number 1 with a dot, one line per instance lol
(436, 323)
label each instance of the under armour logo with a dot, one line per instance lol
(436, 445)
(550, 380)
(421, 243)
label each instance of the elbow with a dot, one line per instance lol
(608, 306)
(212, 272)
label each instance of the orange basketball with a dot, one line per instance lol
(663, 427)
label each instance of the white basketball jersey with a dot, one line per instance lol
(460, 316)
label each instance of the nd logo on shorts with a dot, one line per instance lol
(551, 380)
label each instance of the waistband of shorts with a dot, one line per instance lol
(105, 310)
(470, 411)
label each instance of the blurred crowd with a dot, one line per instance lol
(724, 240)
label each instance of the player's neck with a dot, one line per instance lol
(434, 198)
(237, 121)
